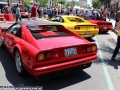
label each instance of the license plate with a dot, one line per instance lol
(87, 32)
(70, 51)
(105, 27)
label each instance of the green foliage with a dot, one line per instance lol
(43, 2)
(27, 2)
(104, 1)
(55, 2)
(96, 3)
(61, 2)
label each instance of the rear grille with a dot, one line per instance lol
(60, 73)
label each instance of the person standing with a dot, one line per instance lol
(118, 43)
(49, 13)
(18, 15)
(59, 11)
(14, 11)
(44, 12)
(29, 11)
(118, 39)
(34, 13)
(39, 10)
(117, 18)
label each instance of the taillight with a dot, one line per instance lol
(77, 27)
(89, 49)
(41, 57)
(45, 56)
(92, 48)
(96, 27)
(48, 55)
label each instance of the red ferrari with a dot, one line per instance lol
(103, 25)
(40, 47)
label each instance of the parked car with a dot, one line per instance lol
(40, 47)
(103, 25)
(77, 25)
(24, 14)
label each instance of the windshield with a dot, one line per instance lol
(92, 18)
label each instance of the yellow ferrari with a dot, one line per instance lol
(77, 25)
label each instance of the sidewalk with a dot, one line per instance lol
(8, 24)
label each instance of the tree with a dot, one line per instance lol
(55, 2)
(27, 2)
(67, 4)
(43, 2)
(96, 3)
(61, 2)
(106, 3)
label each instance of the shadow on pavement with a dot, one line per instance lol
(103, 33)
(8, 64)
(90, 39)
(107, 52)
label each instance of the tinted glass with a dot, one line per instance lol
(48, 31)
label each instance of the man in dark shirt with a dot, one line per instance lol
(34, 13)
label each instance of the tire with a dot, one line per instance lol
(19, 64)
(1, 44)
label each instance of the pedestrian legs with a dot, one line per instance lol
(116, 48)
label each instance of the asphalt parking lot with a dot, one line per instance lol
(104, 74)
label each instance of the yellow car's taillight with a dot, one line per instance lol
(96, 27)
(77, 27)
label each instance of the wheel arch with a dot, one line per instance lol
(17, 47)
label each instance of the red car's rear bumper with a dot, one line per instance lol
(105, 28)
(53, 68)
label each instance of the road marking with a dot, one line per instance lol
(109, 81)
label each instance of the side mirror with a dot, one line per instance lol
(4, 30)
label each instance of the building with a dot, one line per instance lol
(82, 2)
(13, 2)
(115, 4)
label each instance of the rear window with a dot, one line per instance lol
(74, 19)
(48, 31)
(87, 17)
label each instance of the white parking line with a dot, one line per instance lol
(109, 81)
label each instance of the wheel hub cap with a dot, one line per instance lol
(18, 62)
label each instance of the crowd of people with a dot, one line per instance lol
(48, 12)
